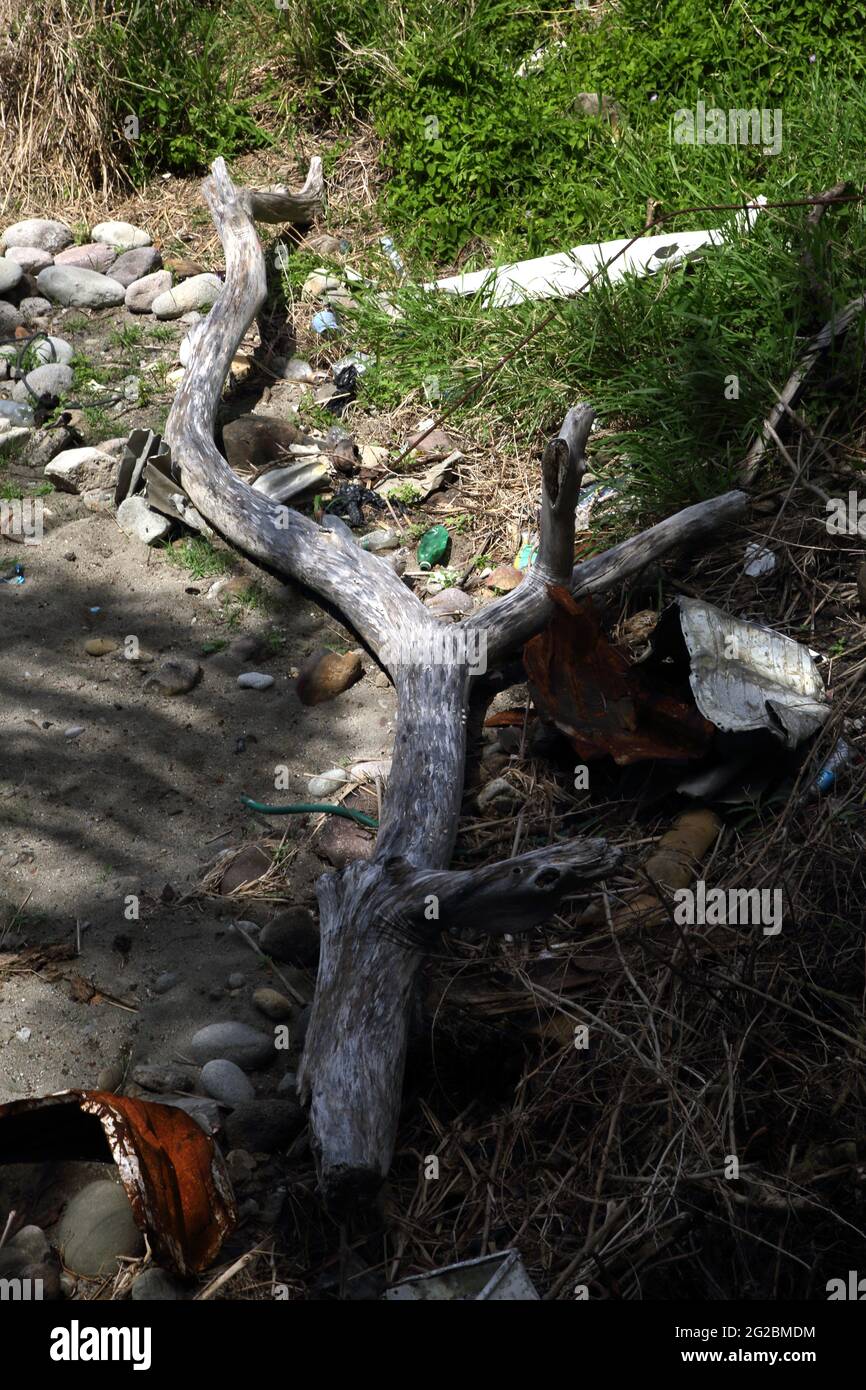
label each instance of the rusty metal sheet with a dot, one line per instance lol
(600, 701)
(174, 1176)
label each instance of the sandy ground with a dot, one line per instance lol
(147, 795)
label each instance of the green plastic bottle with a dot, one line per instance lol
(432, 547)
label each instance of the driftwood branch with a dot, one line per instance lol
(793, 389)
(377, 916)
(511, 896)
(280, 204)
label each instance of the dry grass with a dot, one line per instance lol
(55, 141)
(609, 1167)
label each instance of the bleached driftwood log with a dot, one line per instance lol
(377, 916)
(280, 204)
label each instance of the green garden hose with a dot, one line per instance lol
(308, 807)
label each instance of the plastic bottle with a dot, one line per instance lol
(842, 754)
(432, 547)
(380, 540)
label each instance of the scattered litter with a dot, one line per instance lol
(149, 484)
(841, 756)
(565, 274)
(325, 321)
(359, 360)
(393, 254)
(758, 561)
(379, 540)
(536, 60)
(423, 483)
(349, 501)
(282, 484)
(589, 499)
(745, 677)
(603, 703)
(306, 808)
(346, 382)
(15, 576)
(528, 552)
(174, 1177)
(432, 547)
(496, 1278)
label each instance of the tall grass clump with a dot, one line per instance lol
(98, 93)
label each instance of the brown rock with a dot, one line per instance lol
(99, 646)
(505, 578)
(94, 256)
(436, 442)
(343, 456)
(292, 937)
(246, 867)
(174, 677)
(323, 245)
(182, 268)
(99, 499)
(450, 603)
(255, 441)
(327, 674)
(272, 1004)
(225, 591)
(164, 1079)
(342, 841)
(607, 108)
(238, 655)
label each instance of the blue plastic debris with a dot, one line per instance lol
(325, 321)
(841, 755)
(16, 576)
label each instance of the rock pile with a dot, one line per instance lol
(41, 265)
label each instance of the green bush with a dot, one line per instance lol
(180, 68)
(473, 151)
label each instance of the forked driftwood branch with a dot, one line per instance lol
(378, 915)
(280, 204)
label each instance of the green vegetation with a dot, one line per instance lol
(198, 557)
(483, 164)
(475, 151)
(176, 77)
